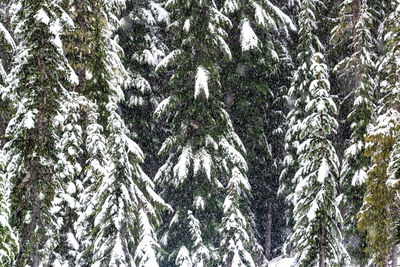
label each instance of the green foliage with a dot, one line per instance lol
(376, 215)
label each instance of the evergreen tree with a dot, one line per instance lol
(297, 97)
(357, 73)
(7, 43)
(67, 170)
(9, 243)
(254, 92)
(37, 91)
(8, 47)
(119, 205)
(144, 47)
(316, 239)
(378, 215)
(204, 177)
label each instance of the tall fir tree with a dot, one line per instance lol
(316, 239)
(119, 207)
(257, 42)
(37, 90)
(297, 98)
(378, 216)
(8, 48)
(9, 242)
(357, 71)
(204, 177)
(144, 47)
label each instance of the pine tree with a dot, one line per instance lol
(7, 43)
(297, 97)
(8, 47)
(357, 73)
(254, 92)
(316, 239)
(119, 207)
(144, 47)
(204, 178)
(378, 216)
(36, 90)
(67, 170)
(9, 243)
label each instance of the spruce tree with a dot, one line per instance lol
(378, 216)
(9, 242)
(144, 46)
(204, 176)
(357, 73)
(37, 90)
(257, 41)
(8, 48)
(119, 207)
(316, 239)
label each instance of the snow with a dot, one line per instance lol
(183, 258)
(359, 177)
(162, 107)
(42, 17)
(201, 84)
(230, 6)
(72, 241)
(248, 38)
(186, 25)
(282, 262)
(181, 169)
(168, 60)
(160, 12)
(323, 171)
(285, 18)
(29, 120)
(7, 37)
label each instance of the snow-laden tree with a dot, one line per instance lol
(118, 203)
(253, 91)
(8, 241)
(357, 72)
(7, 43)
(67, 170)
(37, 90)
(8, 47)
(298, 96)
(391, 84)
(204, 176)
(317, 239)
(144, 47)
(378, 216)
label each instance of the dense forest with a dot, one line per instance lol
(199, 133)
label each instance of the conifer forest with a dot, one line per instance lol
(199, 133)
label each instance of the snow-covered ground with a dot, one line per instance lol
(282, 262)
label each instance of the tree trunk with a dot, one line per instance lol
(322, 247)
(394, 256)
(268, 231)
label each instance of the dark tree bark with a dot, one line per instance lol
(268, 231)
